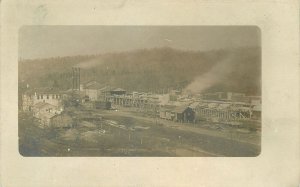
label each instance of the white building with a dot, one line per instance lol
(29, 99)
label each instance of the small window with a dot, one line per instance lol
(41, 96)
(47, 96)
(38, 96)
(53, 96)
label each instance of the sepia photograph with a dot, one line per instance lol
(139, 91)
(149, 93)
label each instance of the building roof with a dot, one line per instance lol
(167, 108)
(50, 115)
(47, 115)
(42, 90)
(105, 88)
(241, 108)
(119, 90)
(212, 105)
(42, 105)
(223, 106)
(94, 86)
(180, 109)
(194, 105)
(89, 82)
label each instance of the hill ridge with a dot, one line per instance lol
(152, 69)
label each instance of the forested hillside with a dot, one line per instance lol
(153, 69)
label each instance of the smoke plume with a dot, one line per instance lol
(216, 74)
(89, 63)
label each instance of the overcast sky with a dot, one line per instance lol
(51, 41)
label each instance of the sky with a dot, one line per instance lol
(52, 41)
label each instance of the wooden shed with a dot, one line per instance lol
(184, 114)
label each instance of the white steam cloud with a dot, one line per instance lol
(89, 63)
(218, 72)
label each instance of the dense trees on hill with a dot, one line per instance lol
(149, 69)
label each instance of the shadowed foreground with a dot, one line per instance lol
(155, 140)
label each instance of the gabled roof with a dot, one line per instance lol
(240, 108)
(105, 88)
(212, 105)
(118, 90)
(194, 105)
(90, 82)
(46, 115)
(94, 86)
(180, 109)
(40, 105)
(223, 106)
(42, 90)
(167, 108)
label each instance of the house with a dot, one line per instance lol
(51, 116)
(42, 107)
(47, 119)
(53, 98)
(170, 115)
(165, 112)
(27, 102)
(44, 112)
(184, 114)
(162, 114)
(44, 118)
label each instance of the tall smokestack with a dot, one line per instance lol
(75, 78)
(79, 79)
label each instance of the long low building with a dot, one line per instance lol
(184, 114)
(226, 111)
(216, 111)
(32, 97)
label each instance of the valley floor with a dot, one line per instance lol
(131, 134)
